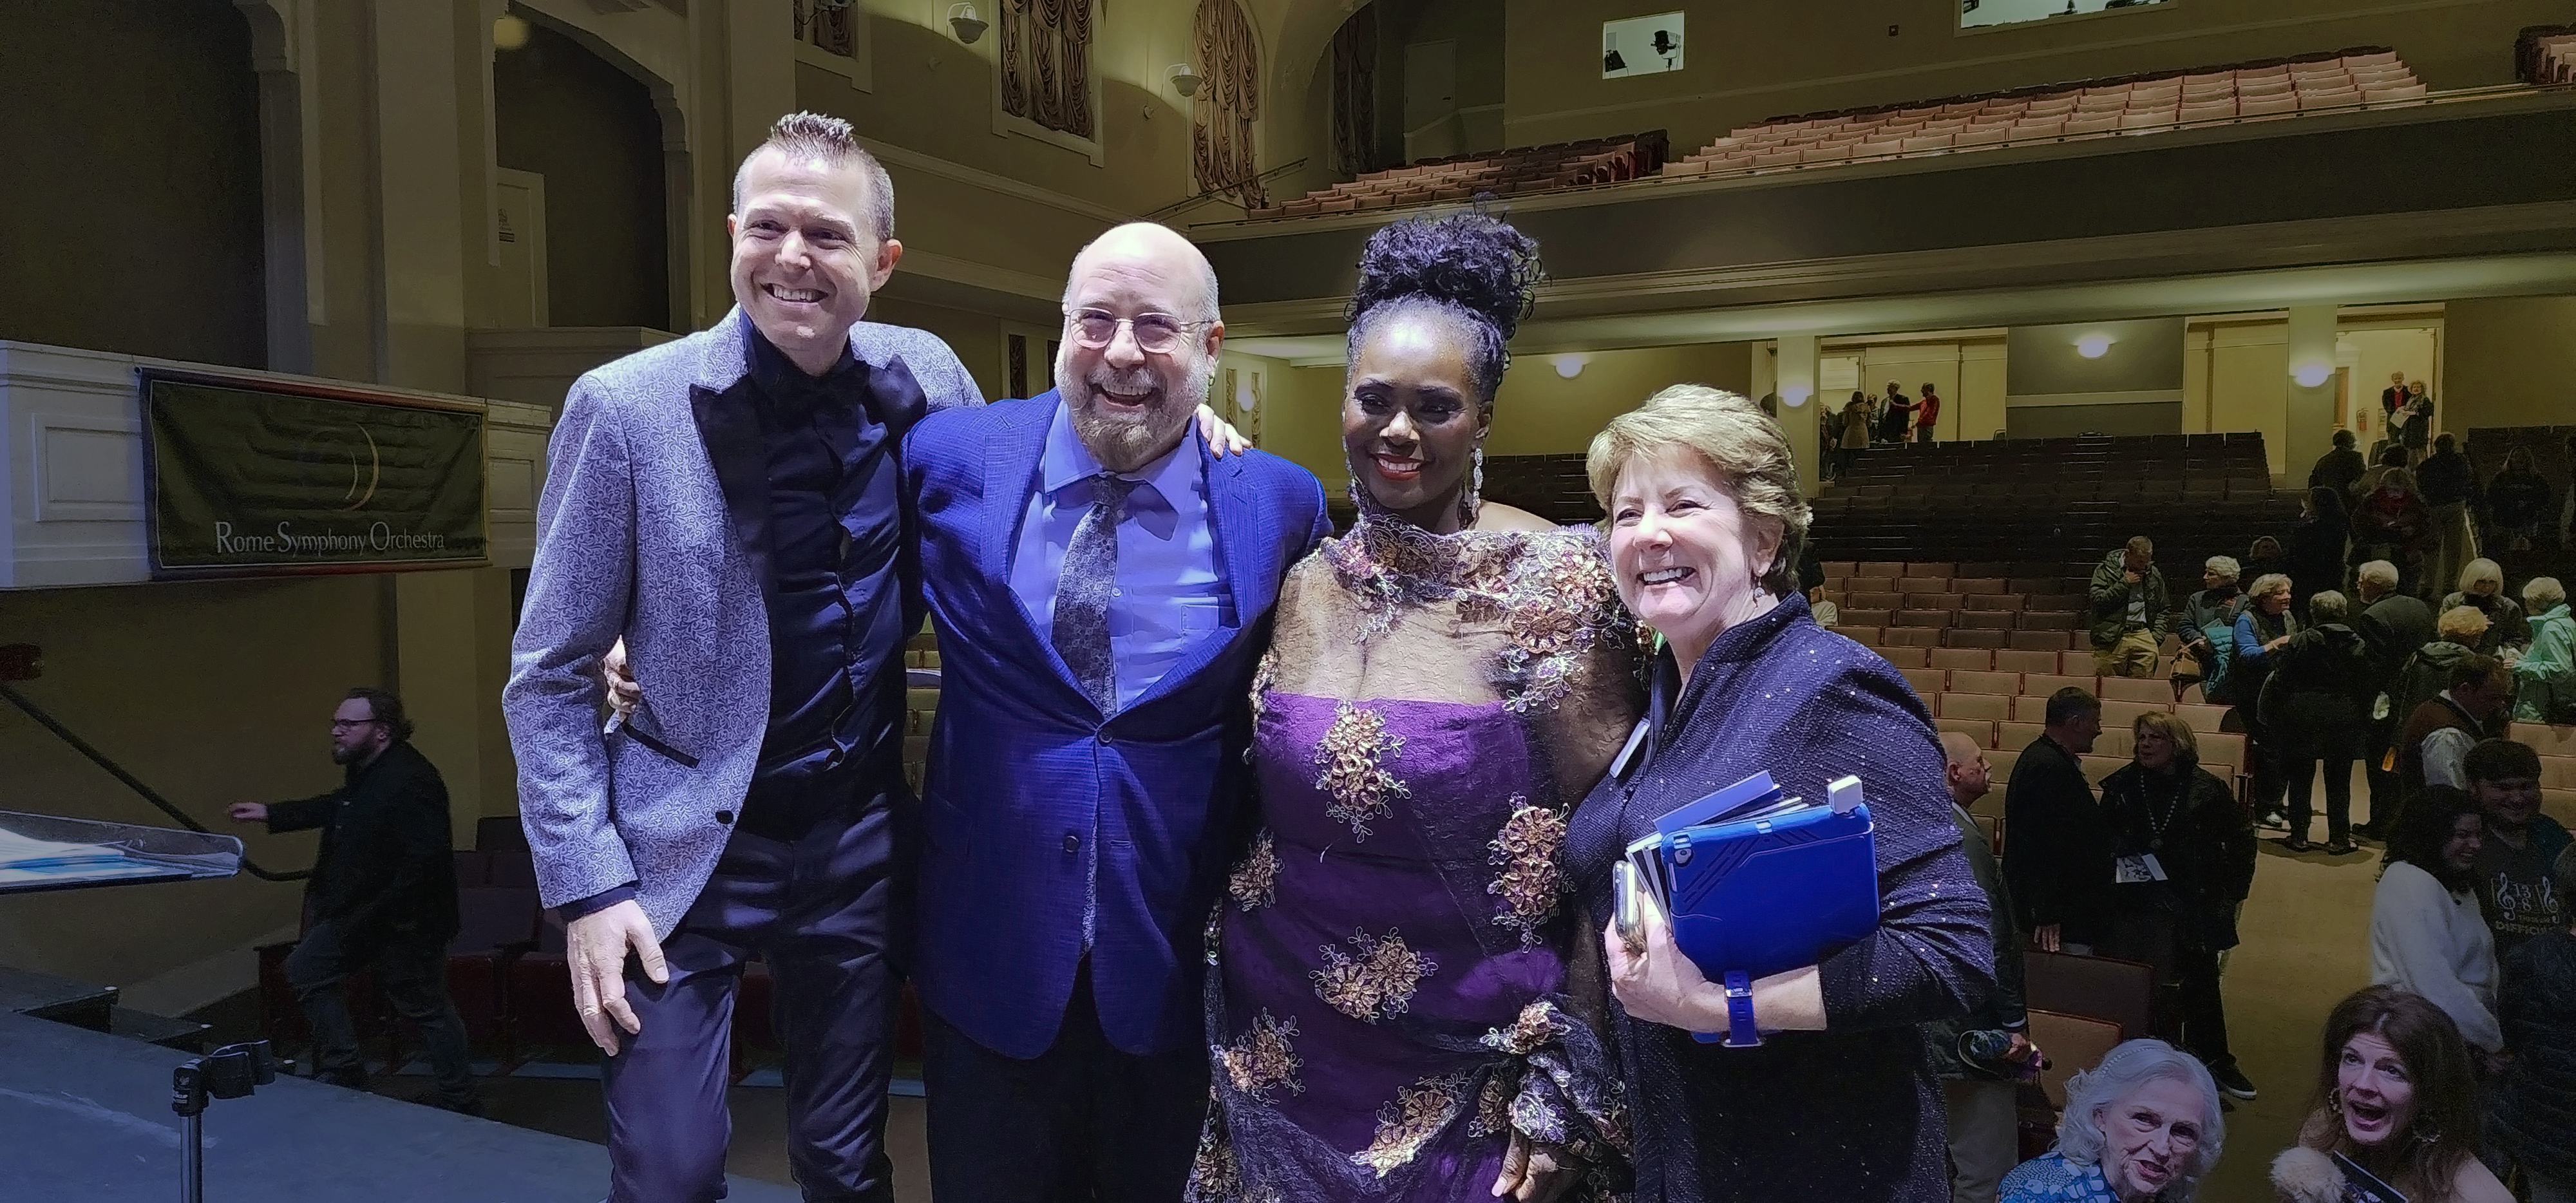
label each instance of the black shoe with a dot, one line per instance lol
(2273, 822)
(2232, 1081)
(2370, 831)
(2342, 848)
(2297, 843)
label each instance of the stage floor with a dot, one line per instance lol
(87, 1116)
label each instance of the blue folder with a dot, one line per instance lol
(1763, 883)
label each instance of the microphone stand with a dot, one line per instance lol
(230, 1072)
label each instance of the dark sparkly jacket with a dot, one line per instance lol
(1850, 1113)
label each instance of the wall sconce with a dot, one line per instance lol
(2093, 346)
(1796, 395)
(509, 32)
(2310, 375)
(1183, 80)
(962, 19)
(1570, 364)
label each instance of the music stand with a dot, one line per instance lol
(48, 852)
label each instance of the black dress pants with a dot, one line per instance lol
(412, 973)
(1082, 1121)
(2203, 1013)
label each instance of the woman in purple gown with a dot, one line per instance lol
(1389, 1012)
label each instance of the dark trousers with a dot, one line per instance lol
(1925, 434)
(816, 911)
(412, 973)
(1081, 1121)
(2299, 768)
(2204, 1014)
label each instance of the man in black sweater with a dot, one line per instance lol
(2393, 627)
(2058, 848)
(382, 895)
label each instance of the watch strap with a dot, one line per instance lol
(1740, 1029)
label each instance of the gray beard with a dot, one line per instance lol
(1123, 444)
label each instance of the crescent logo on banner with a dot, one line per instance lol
(250, 477)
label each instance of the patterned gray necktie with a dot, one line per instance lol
(1083, 587)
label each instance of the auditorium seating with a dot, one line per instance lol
(2545, 55)
(1499, 173)
(2138, 104)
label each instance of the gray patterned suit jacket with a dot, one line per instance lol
(634, 540)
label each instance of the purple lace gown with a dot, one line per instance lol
(1389, 990)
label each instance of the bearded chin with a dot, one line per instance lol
(1125, 442)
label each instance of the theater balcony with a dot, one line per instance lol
(2334, 177)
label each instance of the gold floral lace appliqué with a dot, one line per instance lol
(1379, 982)
(1494, 1103)
(1527, 851)
(1216, 1176)
(1417, 1114)
(1255, 883)
(1535, 1027)
(1351, 759)
(1263, 1059)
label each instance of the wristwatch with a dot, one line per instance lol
(1740, 1031)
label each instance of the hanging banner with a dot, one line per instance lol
(256, 478)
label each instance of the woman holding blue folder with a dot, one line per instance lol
(1706, 522)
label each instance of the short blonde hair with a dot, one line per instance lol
(2377, 572)
(2543, 593)
(2169, 726)
(2266, 583)
(1731, 435)
(2478, 570)
(2462, 625)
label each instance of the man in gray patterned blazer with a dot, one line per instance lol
(731, 505)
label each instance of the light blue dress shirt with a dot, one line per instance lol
(1167, 595)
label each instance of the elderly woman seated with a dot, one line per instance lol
(1832, 1101)
(2397, 1098)
(2142, 1126)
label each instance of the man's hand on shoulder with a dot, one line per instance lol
(1222, 438)
(595, 946)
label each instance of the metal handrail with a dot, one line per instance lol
(132, 782)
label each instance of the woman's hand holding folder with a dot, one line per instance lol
(1655, 982)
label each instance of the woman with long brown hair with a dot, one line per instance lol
(2397, 1097)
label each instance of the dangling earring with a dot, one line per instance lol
(1474, 496)
(2334, 1101)
(2428, 1136)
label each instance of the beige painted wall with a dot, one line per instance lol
(2509, 362)
(1752, 61)
(2236, 376)
(1538, 412)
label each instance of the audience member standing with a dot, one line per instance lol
(2263, 558)
(2515, 888)
(2450, 487)
(1895, 415)
(2186, 862)
(2059, 859)
(2338, 468)
(2481, 587)
(2415, 431)
(2518, 503)
(2392, 524)
(2424, 676)
(2394, 625)
(2397, 1093)
(2392, 399)
(2536, 1108)
(2263, 627)
(2317, 545)
(1855, 431)
(382, 897)
(2214, 608)
(2545, 676)
(2315, 709)
(2128, 610)
(2438, 734)
(1982, 1056)
(1927, 415)
(2427, 936)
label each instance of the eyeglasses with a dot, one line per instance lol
(1156, 333)
(343, 724)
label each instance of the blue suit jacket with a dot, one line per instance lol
(1023, 769)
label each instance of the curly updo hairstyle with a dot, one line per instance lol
(1469, 266)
